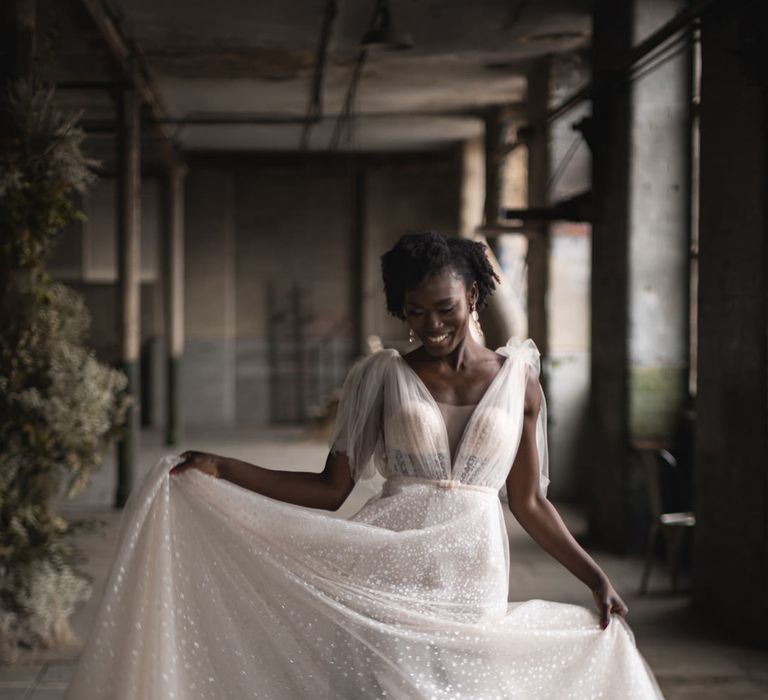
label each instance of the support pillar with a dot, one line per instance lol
(494, 164)
(607, 483)
(129, 289)
(173, 260)
(357, 276)
(481, 200)
(538, 196)
(730, 558)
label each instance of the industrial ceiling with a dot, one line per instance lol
(240, 74)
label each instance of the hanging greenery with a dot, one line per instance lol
(59, 407)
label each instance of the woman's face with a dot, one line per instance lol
(438, 311)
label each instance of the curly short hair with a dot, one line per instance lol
(418, 256)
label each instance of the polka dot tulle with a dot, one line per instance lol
(219, 593)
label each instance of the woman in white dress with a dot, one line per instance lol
(229, 582)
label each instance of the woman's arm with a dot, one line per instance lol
(543, 523)
(327, 489)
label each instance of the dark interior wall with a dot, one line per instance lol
(293, 234)
(731, 545)
(208, 366)
(276, 250)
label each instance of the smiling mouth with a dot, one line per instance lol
(437, 339)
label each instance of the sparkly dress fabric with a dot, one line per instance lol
(219, 593)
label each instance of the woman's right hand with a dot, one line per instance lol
(201, 461)
(608, 602)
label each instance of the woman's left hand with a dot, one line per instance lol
(608, 601)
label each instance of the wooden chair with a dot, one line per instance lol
(658, 462)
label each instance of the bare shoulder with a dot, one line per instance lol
(495, 359)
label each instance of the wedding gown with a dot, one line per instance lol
(220, 593)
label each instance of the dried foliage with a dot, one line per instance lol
(59, 407)
(39, 170)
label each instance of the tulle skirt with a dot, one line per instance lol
(219, 593)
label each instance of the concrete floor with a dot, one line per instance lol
(691, 660)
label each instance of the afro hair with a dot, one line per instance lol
(418, 256)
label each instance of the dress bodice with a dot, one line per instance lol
(455, 419)
(387, 413)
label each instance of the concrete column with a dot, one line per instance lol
(494, 138)
(497, 320)
(730, 566)
(538, 196)
(659, 234)
(173, 280)
(472, 186)
(606, 489)
(494, 164)
(357, 258)
(129, 286)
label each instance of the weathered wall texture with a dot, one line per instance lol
(276, 249)
(208, 366)
(659, 240)
(271, 273)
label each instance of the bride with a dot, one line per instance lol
(228, 581)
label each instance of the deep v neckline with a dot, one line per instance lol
(446, 438)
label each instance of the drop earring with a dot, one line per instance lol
(411, 336)
(476, 320)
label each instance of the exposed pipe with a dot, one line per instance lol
(315, 106)
(345, 116)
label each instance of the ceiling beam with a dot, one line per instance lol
(219, 119)
(134, 69)
(577, 209)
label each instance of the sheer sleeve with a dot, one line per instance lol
(358, 429)
(530, 358)
(534, 369)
